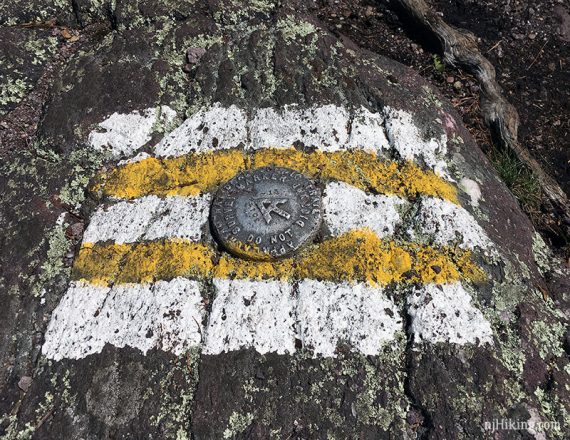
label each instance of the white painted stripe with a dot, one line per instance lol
(446, 223)
(321, 127)
(444, 313)
(406, 138)
(251, 314)
(328, 128)
(367, 131)
(150, 218)
(208, 129)
(264, 315)
(123, 134)
(435, 221)
(166, 315)
(347, 208)
(358, 315)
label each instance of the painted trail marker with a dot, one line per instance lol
(153, 236)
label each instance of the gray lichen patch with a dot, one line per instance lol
(58, 246)
(53, 394)
(237, 424)
(174, 413)
(36, 11)
(272, 395)
(38, 239)
(542, 254)
(549, 338)
(293, 29)
(23, 55)
(75, 398)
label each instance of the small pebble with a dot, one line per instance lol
(193, 54)
(369, 11)
(24, 383)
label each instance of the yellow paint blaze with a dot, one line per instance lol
(185, 175)
(142, 262)
(361, 169)
(195, 173)
(357, 256)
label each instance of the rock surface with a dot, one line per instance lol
(138, 372)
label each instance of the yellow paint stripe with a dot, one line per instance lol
(195, 173)
(185, 175)
(357, 256)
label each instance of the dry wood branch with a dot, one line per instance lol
(460, 49)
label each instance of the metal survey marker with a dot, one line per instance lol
(266, 213)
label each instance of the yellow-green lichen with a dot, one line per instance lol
(292, 28)
(13, 90)
(237, 424)
(58, 246)
(174, 411)
(41, 49)
(541, 253)
(548, 338)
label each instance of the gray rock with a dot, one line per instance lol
(24, 383)
(263, 54)
(194, 54)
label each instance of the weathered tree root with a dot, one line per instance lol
(460, 50)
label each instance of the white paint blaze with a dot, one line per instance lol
(436, 221)
(356, 314)
(123, 134)
(367, 131)
(213, 128)
(445, 223)
(322, 127)
(472, 189)
(251, 314)
(264, 315)
(327, 127)
(150, 218)
(166, 315)
(444, 313)
(347, 208)
(267, 316)
(405, 137)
